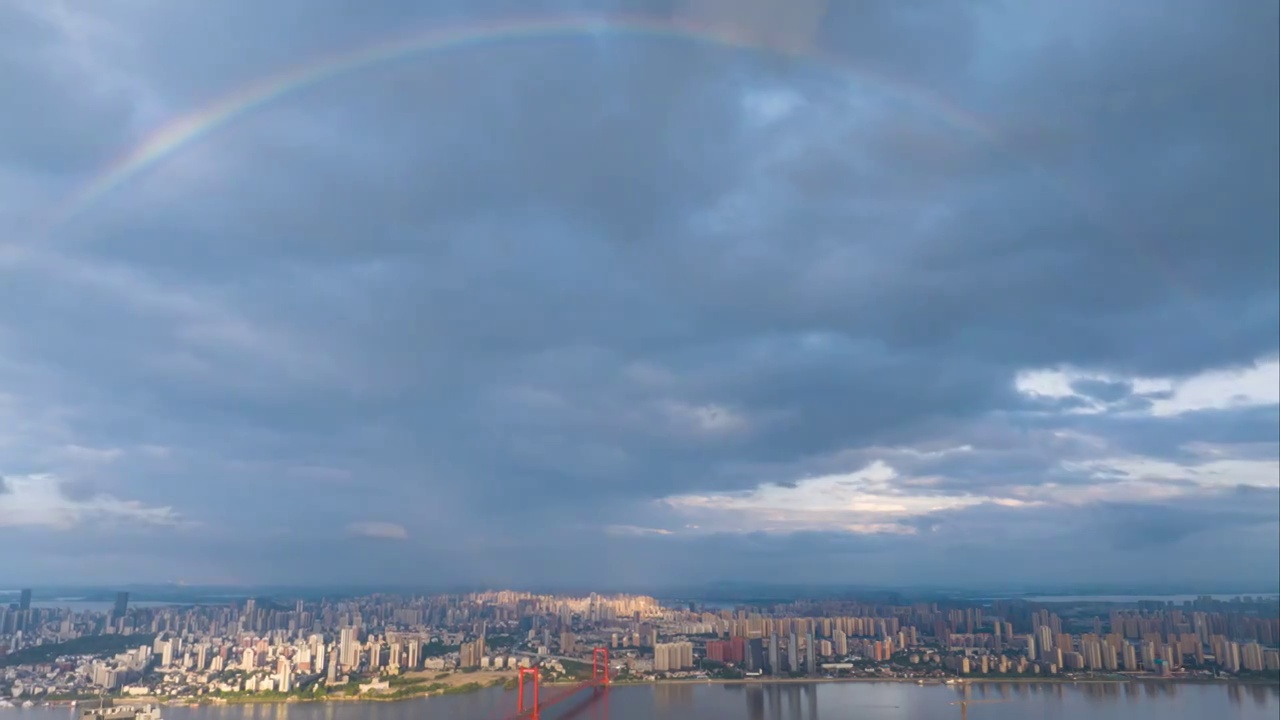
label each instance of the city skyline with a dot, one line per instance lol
(278, 648)
(640, 293)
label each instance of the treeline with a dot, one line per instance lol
(438, 649)
(95, 645)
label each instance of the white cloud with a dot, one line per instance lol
(866, 501)
(375, 529)
(1222, 389)
(37, 501)
(1253, 386)
(879, 499)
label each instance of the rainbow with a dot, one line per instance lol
(195, 125)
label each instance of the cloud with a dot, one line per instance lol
(379, 530)
(39, 500)
(1136, 526)
(1214, 389)
(871, 500)
(921, 289)
(77, 50)
(1108, 391)
(632, 530)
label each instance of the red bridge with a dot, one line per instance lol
(531, 708)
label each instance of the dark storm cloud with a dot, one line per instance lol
(1126, 526)
(1139, 526)
(545, 283)
(1168, 437)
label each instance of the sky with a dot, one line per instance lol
(619, 293)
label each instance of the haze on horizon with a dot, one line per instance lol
(972, 293)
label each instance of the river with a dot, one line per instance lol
(794, 701)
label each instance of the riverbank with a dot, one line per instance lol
(778, 701)
(454, 685)
(957, 682)
(415, 691)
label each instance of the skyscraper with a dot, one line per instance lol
(24, 599)
(811, 655)
(332, 670)
(349, 649)
(122, 605)
(755, 655)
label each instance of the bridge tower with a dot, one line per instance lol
(533, 672)
(600, 666)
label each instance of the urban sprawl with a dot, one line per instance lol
(389, 647)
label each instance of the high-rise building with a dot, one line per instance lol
(472, 652)
(1044, 637)
(332, 671)
(284, 676)
(1231, 657)
(775, 665)
(1148, 656)
(672, 656)
(1110, 660)
(22, 618)
(349, 649)
(1251, 657)
(716, 650)
(662, 661)
(841, 643)
(122, 605)
(755, 655)
(1130, 657)
(811, 655)
(732, 650)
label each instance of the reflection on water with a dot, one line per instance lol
(672, 696)
(755, 702)
(1153, 700)
(1101, 692)
(1259, 695)
(763, 701)
(800, 700)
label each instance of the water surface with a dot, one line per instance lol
(794, 701)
